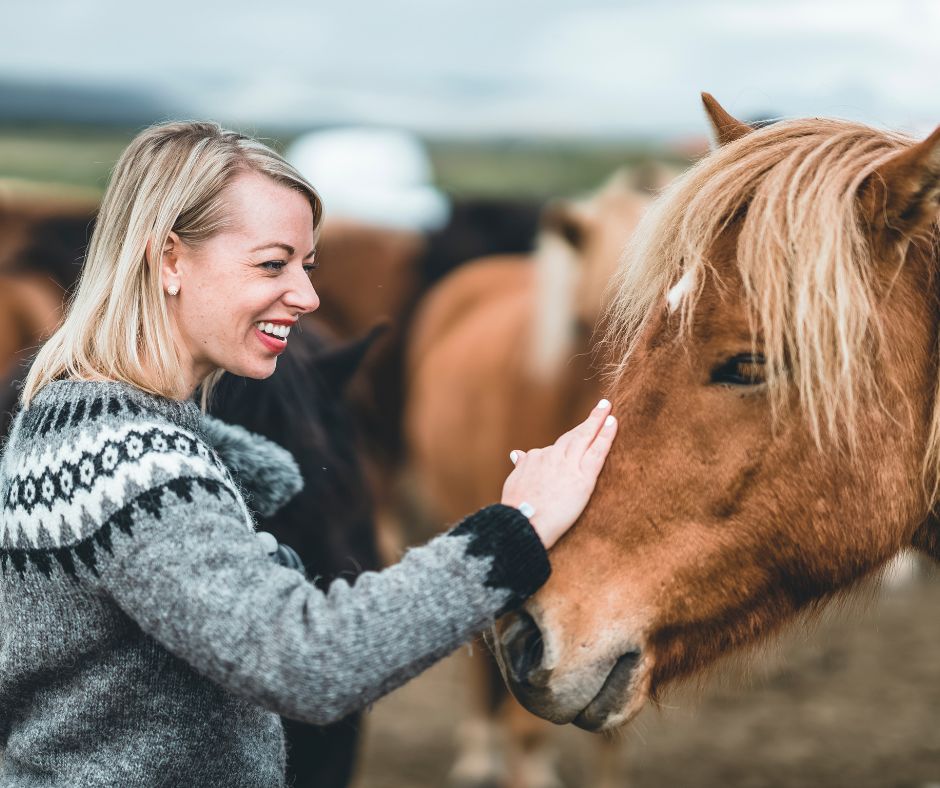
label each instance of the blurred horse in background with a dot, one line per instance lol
(372, 274)
(330, 523)
(41, 239)
(500, 358)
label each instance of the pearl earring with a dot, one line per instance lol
(173, 289)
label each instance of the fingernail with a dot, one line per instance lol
(513, 455)
(610, 421)
(603, 404)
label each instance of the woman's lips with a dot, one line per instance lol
(274, 344)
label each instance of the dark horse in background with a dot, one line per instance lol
(329, 523)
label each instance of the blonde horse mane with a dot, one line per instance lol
(802, 255)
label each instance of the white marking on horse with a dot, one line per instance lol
(557, 274)
(680, 290)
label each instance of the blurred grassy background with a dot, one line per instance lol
(83, 156)
(73, 156)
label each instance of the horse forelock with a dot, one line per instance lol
(803, 257)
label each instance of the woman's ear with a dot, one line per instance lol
(169, 260)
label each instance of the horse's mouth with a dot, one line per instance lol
(583, 694)
(620, 698)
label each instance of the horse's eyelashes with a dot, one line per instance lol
(744, 369)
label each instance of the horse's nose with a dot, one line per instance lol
(523, 650)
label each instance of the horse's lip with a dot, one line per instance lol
(621, 683)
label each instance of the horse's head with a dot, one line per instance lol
(577, 251)
(774, 342)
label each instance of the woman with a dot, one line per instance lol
(145, 637)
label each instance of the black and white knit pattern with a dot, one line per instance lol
(57, 498)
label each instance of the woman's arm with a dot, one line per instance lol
(180, 562)
(184, 567)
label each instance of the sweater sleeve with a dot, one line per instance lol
(184, 567)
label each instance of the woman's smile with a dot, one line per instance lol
(273, 333)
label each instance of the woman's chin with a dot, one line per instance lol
(257, 369)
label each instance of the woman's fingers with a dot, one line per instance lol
(593, 459)
(557, 481)
(576, 442)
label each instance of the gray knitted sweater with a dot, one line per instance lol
(147, 639)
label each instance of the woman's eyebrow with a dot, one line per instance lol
(286, 247)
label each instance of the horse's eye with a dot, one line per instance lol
(745, 369)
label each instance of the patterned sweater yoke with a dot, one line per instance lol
(146, 638)
(63, 494)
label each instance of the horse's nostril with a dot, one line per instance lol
(522, 645)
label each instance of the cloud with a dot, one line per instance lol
(497, 67)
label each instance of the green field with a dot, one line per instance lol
(83, 157)
(71, 157)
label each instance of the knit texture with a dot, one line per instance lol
(147, 639)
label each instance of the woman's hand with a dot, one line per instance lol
(557, 481)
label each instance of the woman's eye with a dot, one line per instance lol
(744, 369)
(311, 267)
(278, 263)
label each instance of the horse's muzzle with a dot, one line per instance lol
(593, 697)
(613, 695)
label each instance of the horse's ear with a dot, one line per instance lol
(651, 177)
(726, 127)
(566, 220)
(339, 362)
(903, 194)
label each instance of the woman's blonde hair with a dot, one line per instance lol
(172, 177)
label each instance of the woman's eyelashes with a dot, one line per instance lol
(277, 265)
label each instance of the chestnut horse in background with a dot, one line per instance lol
(774, 355)
(372, 274)
(499, 359)
(42, 227)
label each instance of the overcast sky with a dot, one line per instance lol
(495, 67)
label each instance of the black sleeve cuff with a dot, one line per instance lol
(520, 561)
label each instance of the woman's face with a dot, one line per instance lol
(255, 272)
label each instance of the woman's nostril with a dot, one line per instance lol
(524, 648)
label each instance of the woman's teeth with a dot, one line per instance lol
(275, 330)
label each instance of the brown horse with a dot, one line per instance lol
(775, 372)
(32, 289)
(371, 274)
(499, 353)
(499, 358)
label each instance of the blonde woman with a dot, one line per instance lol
(146, 639)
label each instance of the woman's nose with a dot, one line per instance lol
(302, 295)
